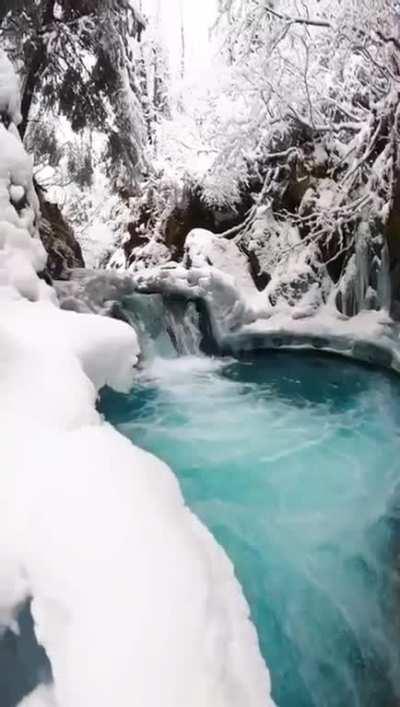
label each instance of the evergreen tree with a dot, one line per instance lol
(75, 58)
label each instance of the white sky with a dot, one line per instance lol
(199, 16)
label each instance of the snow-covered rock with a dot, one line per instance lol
(242, 319)
(132, 598)
(10, 102)
(204, 248)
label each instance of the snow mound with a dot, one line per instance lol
(132, 598)
(205, 248)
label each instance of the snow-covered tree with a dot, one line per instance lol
(312, 124)
(297, 130)
(76, 60)
(153, 79)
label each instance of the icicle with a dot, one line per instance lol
(365, 283)
(384, 283)
(362, 274)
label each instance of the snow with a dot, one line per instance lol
(369, 336)
(132, 598)
(116, 564)
(96, 243)
(204, 248)
(134, 585)
(9, 94)
(43, 696)
(94, 291)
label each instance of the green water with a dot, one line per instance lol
(293, 462)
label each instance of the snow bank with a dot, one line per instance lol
(125, 582)
(370, 336)
(133, 600)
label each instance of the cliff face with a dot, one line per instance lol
(64, 251)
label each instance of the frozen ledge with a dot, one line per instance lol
(369, 337)
(240, 322)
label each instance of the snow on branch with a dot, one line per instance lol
(299, 20)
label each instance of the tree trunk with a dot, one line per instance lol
(36, 69)
(31, 81)
(392, 233)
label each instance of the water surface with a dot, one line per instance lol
(293, 462)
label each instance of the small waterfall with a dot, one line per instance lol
(146, 315)
(166, 326)
(183, 326)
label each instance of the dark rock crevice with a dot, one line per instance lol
(58, 238)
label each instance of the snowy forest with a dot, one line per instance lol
(199, 353)
(286, 146)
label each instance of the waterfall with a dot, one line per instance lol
(166, 326)
(183, 326)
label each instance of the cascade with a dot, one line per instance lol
(166, 326)
(183, 326)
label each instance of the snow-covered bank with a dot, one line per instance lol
(133, 600)
(370, 337)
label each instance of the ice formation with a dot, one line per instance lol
(133, 600)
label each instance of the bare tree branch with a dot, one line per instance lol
(299, 20)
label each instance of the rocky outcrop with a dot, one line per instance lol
(64, 251)
(152, 240)
(192, 212)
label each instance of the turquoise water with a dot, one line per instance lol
(293, 462)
